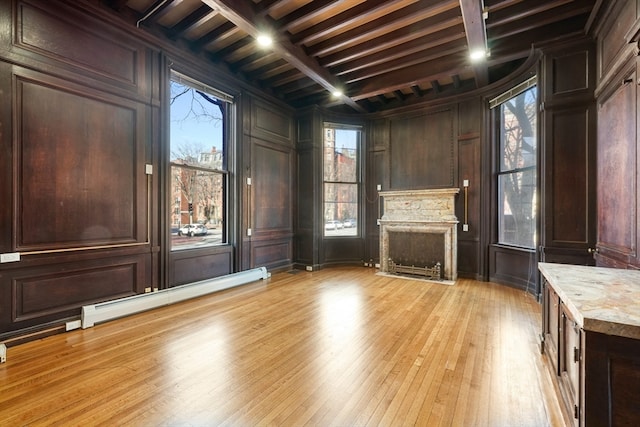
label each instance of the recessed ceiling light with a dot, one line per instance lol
(478, 54)
(337, 93)
(264, 40)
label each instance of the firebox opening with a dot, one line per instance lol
(417, 249)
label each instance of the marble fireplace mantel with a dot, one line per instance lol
(421, 211)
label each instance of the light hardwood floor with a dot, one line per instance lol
(337, 347)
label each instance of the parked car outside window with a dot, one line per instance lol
(194, 230)
(333, 225)
(348, 223)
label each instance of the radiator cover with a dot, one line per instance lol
(102, 312)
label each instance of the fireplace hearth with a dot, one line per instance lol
(419, 231)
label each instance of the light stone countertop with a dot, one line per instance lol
(605, 300)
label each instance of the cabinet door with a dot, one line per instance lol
(550, 325)
(568, 148)
(570, 364)
(617, 173)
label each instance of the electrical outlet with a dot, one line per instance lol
(3, 353)
(465, 227)
(378, 187)
(309, 268)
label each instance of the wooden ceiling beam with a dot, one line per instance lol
(383, 99)
(408, 48)
(495, 5)
(306, 92)
(394, 39)
(342, 20)
(306, 12)
(238, 49)
(298, 85)
(472, 15)
(267, 6)
(256, 60)
(509, 52)
(399, 19)
(193, 20)
(284, 78)
(436, 53)
(158, 9)
(521, 11)
(545, 18)
(222, 31)
(417, 91)
(399, 95)
(272, 70)
(410, 76)
(244, 16)
(547, 28)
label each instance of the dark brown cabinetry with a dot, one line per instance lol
(568, 159)
(617, 34)
(551, 325)
(570, 362)
(591, 342)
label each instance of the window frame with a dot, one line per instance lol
(500, 171)
(227, 108)
(357, 181)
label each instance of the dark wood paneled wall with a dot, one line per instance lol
(470, 260)
(83, 114)
(568, 153)
(376, 177)
(423, 150)
(618, 139)
(312, 249)
(308, 210)
(74, 135)
(269, 161)
(432, 148)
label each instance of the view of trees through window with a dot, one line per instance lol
(198, 167)
(341, 180)
(517, 170)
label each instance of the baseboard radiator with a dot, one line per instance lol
(102, 312)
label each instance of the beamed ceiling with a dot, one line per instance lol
(382, 54)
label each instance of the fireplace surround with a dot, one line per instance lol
(428, 217)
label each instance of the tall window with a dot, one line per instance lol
(198, 140)
(341, 180)
(517, 162)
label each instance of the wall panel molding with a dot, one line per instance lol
(79, 155)
(426, 147)
(48, 37)
(41, 293)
